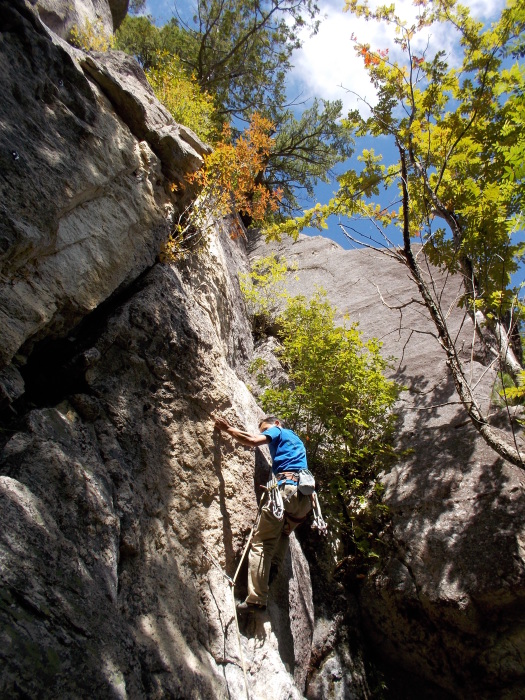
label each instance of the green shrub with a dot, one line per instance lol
(183, 98)
(340, 403)
(139, 37)
(337, 399)
(265, 292)
(507, 392)
(91, 36)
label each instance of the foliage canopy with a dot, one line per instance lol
(459, 134)
(239, 51)
(140, 37)
(230, 173)
(228, 184)
(338, 399)
(264, 291)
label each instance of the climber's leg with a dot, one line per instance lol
(265, 538)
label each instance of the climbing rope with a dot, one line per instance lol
(273, 493)
(232, 588)
(233, 581)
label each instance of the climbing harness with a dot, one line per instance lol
(291, 478)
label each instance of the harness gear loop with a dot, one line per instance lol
(276, 504)
(318, 522)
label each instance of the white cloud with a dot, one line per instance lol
(327, 66)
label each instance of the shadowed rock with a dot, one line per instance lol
(447, 603)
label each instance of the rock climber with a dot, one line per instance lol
(271, 535)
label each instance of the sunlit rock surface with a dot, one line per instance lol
(122, 511)
(101, 17)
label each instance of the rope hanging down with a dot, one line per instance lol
(318, 523)
(233, 581)
(276, 505)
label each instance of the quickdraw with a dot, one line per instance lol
(318, 523)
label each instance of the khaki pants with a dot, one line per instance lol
(270, 542)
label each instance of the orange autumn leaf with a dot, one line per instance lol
(231, 172)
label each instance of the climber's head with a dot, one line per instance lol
(268, 421)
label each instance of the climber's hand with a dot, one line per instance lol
(222, 424)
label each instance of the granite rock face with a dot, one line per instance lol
(446, 607)
(84, 202)
(122, 510)
(121, 505)
(104, 16)
(124, 82)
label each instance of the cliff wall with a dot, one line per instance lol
(121, 508)
(120, 505)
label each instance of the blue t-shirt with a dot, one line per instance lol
(287, 450)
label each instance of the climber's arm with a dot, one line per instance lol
(241, 436)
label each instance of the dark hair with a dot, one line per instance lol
(269, 419)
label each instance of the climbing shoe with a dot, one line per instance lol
(243, 608)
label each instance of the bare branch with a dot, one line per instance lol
(400, 306)
(413, 407)
(381, 249)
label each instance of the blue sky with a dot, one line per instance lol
(326, 66)
(326, 63)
